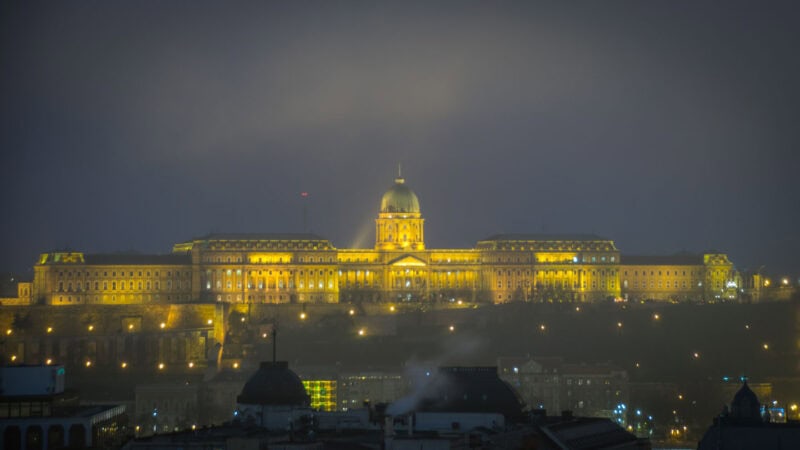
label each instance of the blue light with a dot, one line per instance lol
(725, 378)
(638, 412)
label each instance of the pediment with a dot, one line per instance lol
(408, 261)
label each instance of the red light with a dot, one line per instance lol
(304, 194)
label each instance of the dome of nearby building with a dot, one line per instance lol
(470, 389)
(274, 384)
(745, 405)
(399, 199)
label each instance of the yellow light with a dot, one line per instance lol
(137, 427)
(452, 328)
(303, 316)
(236, 365)
(578, 309)
(163, 325)
(49, 329)
(361, 332)
(124, 364)
(656, 316)
(459, 302)
(680, 396)
(9, 331)
(191, 364)
(637, 365)
(619, 324)
(391, 308)
(793, 407)
(160, 366)
(49, 361)
(766, 346)
(785, 281)
(242, 319)
(130, 326)
(13, 357)
(264, 335)
(88, 364)
(209, 321)
(90, 327)
(352, 312)
(747, 327)
(696, 355)
(542, 327)
(194, 427)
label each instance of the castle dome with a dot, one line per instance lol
(274, 384)
(399, 199)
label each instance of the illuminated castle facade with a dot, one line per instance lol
(305, 268)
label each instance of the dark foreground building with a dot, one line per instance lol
(745, 426)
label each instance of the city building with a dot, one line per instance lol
(591, 390)
(37, 412)
(305, 268)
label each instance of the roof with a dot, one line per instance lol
(470, 389)
(260, 237)
(587, 433)
(274, 384)
(680, 259)
(544, 237)
(120, 259)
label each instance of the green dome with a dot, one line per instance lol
(399, 199)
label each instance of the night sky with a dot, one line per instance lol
(666, 126)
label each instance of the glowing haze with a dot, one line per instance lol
(666, 127)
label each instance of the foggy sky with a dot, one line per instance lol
(665, 126)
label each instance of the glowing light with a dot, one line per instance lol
(459, 302)
(88, 364)
(656, 316)
(236, 365)
(48, 361)
(49, 329)
(194, 427)
(303, 316)
(123, 365)
(747, 327)
(191, 365)
(391, 308)
(9, 331)
(577, 309)
(352, 312)
(210, 322)
(130, 326)
(696, 355)
(637, 365)
(619, 324)
(242, 319)
(163, 325)
(680, 396)
(452, 328)
(13, 357)
(90, 327)
(264, 335)
(785, 281)
(361, 332)
(160, 366)
(793, 407)
(766, 346)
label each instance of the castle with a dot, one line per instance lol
(306, 268)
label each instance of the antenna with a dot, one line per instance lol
(399, 170)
